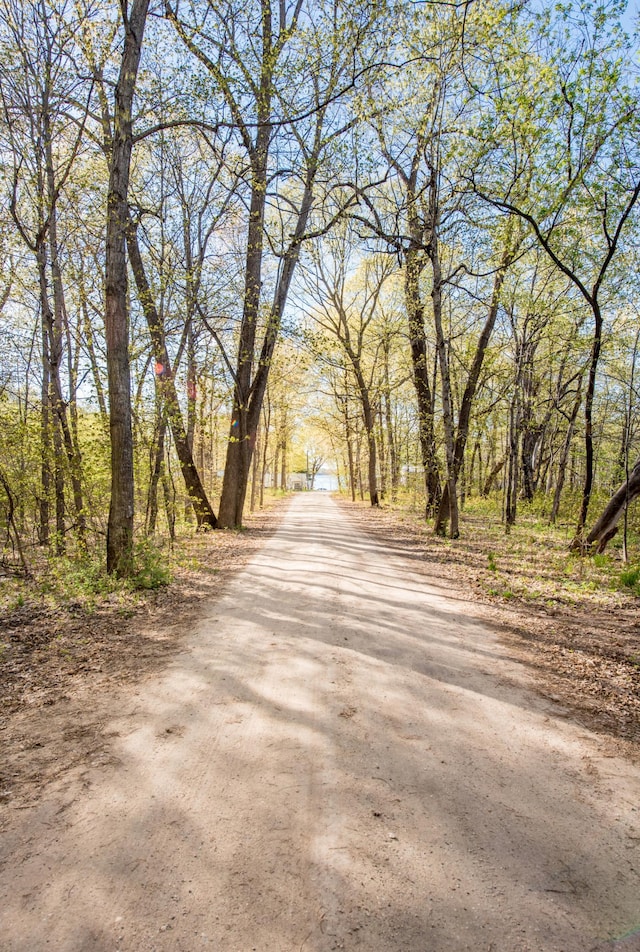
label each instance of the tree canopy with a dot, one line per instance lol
(246, 243)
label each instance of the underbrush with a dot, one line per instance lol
(79, 581)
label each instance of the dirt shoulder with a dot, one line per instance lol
(581, 643)
(62, 666)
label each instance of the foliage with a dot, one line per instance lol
(630, 578)
(504, 137)
(150, 568)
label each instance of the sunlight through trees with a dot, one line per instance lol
(386, 246)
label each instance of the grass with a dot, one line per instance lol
(79, 581)
(630, 578)
(82, 582)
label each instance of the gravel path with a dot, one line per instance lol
(343, 759)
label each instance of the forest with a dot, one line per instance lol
(244, 243)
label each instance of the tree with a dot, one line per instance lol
(165, 378)
(120, 526)
(423, 212)
(346, 307)
(39, 87)
(606, 525)
(575, 150)
(281, 95)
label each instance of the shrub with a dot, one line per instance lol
(630, 578)
(151, 571)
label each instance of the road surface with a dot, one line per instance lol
(342, 758)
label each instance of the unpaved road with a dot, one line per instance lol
(342, 759)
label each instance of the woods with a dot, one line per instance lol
(246, 243)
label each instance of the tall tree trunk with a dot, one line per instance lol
(422, 384)
(369, 420)
(56, 323)
(283, 465)
(513, 468)
(476, 452)
(192, 377)
(381, 435)
(121, 509)
(52, 395)
(386, 423)
(45, 440)
(263, 469)
(372, 461)
(197, 495)
(276, 466)
(451, 515)
(249, 395)
(510, 248)
(349, 441)
(157, 469)
(254, 475)
(236, 470)
(169, 492)
(588, 426)
(95, 370)
(58, 481)
(564, 455)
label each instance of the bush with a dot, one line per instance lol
(72, 579)
(151, 571)
(630, 578)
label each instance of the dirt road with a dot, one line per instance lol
(343, 759)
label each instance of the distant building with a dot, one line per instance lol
(297, 481)
(325, 481)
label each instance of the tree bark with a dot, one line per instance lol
(349, 440)
(262, 61)
(451, 513)
(491, 478)
(424, 396)
(249, 395)
(121, 509)
(596, 347)
(464, 417)
(55, 322)
(606, 526)
(254, 475)
(204, 513)
(44, 503)
(239, 448)
(394, 470)
(513, 460)
(156, 469)
(372, 465)
(564, 456)
(283, 464)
